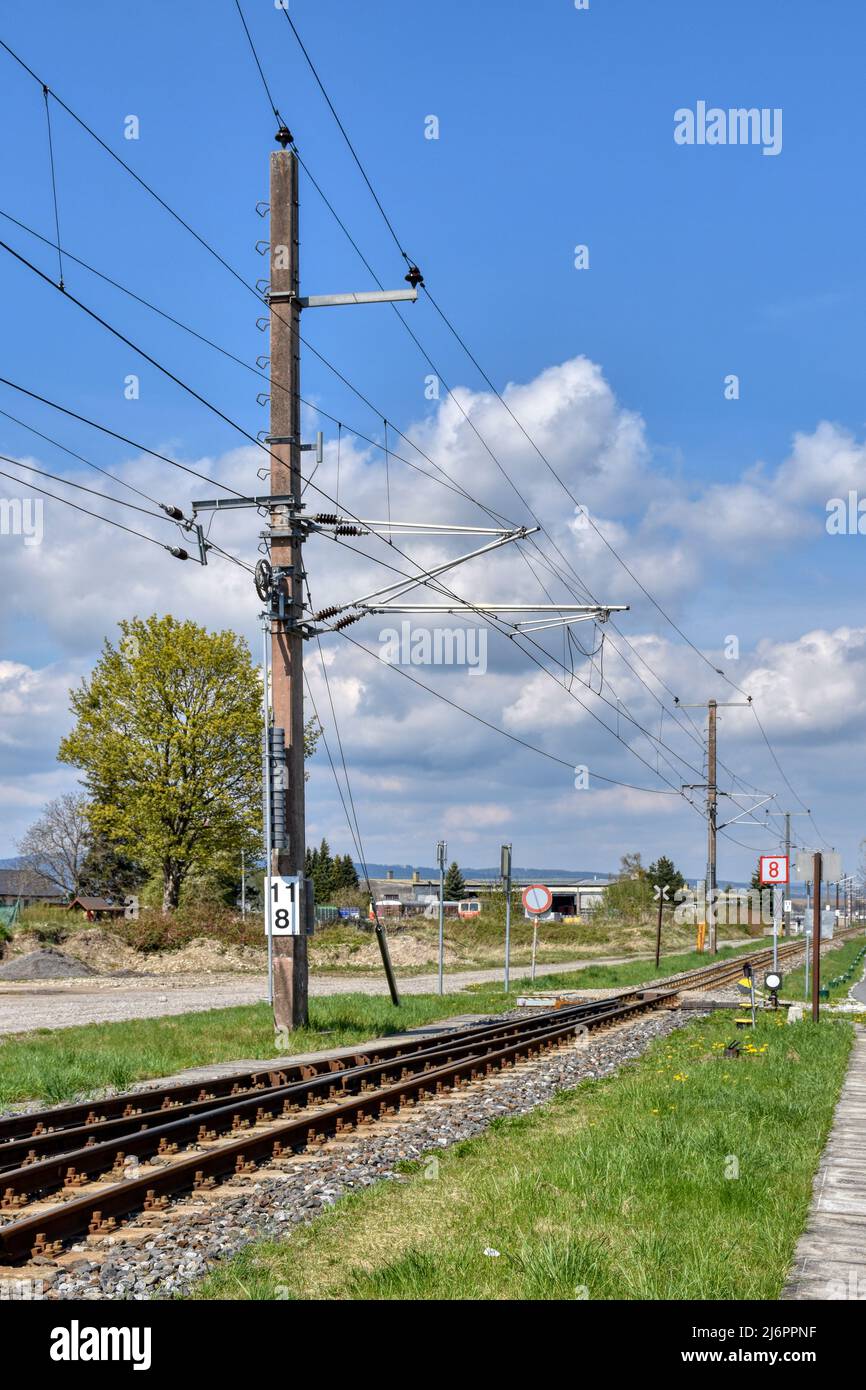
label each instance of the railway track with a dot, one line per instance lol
(723, 972)
(67, 1179)
(79, 1169)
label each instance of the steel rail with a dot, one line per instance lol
(93, 1114)
(96, 1212)
(162, 1097)
(426, 1063)
(136, 1113)
(96, 1148)
(34, 1124)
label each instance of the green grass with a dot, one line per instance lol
(54, 1065)
(477, 943)
(632, 972)
(688, 1176)
(834, 963)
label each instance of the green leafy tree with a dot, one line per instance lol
(664, 874)
(168, 736)
(455, 883)
(629, 897)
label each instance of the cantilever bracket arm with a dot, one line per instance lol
(403, 586)
(330, 301)
(748, 811)
(549, 614)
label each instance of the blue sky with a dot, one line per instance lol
(556, 128)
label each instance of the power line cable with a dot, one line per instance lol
(124, 439)
(53, 183)
(172, 376)
(108, 520)
(271, 102)
(495, 728)
(236, 274)
(445, 319)
(79, 120)
(351, 147)
(446, 481)
(58, 478)
(80, 457)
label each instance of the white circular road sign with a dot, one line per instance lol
(537, 898)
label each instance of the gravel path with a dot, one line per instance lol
(213, 1227)
(111, 999)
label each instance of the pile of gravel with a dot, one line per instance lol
(47, 964)
(178, 1255)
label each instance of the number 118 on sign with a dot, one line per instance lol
(285, 917)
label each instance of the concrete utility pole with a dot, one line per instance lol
(712, 789)
(817, 870)
(505, 875)
(788, 889)
(287, 643)
(441, 855)
(712, 809)
(279, 582)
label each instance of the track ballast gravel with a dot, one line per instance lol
(214, 1227)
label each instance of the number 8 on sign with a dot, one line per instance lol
(774, 868)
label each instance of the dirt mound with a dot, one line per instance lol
(47, 964)
(404, 947)
(107, 952)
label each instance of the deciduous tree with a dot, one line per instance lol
(168, 736)
(56, 845)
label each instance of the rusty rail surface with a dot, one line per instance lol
(195, 1134)
(265, 1124)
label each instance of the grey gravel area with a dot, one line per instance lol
(46, 964)
(212, 1228)
(115, 998)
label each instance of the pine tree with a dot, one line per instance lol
(322, 873)
(664, 874)
(345, 874)
(455, 883)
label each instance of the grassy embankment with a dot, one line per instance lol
(477, 944)
(56, 1064)
(833, 964)
(688, 1176)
